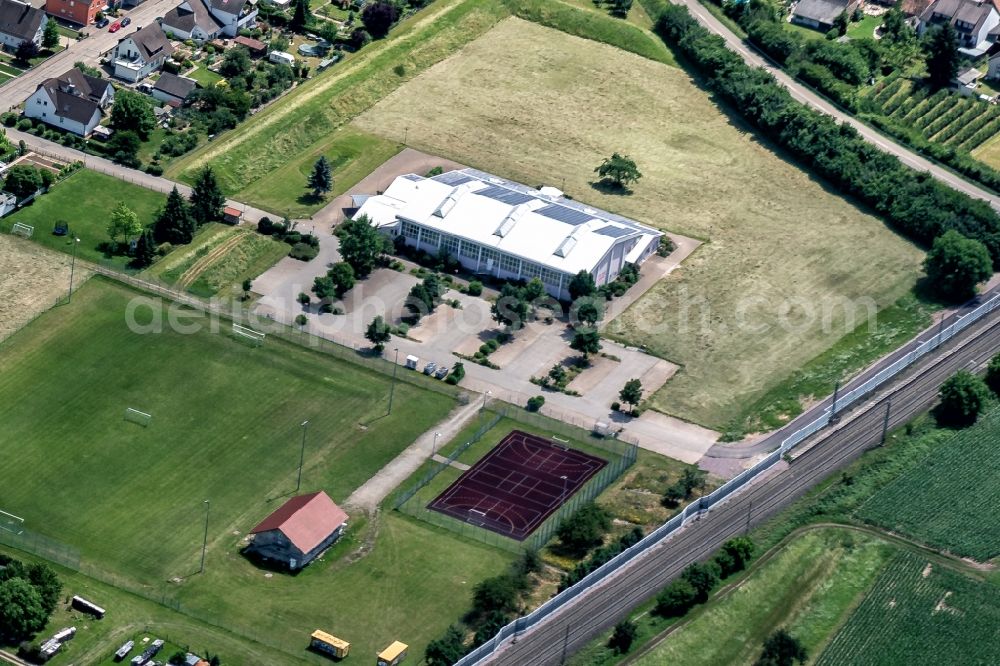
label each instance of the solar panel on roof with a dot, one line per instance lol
(453, 178)
(614, 232)
(564, 214)
(414, 177)
(504, 195)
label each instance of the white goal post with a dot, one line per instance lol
(135, 416)
(25, 230)
(255, 337)
(476, 517)
(11, 523)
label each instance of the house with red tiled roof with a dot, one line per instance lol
(298, 531)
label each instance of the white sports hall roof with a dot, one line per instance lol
(540, 226)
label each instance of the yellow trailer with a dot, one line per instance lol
(329, 644)
(393, 654)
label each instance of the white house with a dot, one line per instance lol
(976, 23)
(20, 22)
(234, 15)
(142, 52)
(192, 20)
(73, 101)
(173, 90)
(509, 231)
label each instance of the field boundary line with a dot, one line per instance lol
(204, 263)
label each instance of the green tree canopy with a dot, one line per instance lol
(22, 181)
(321, 178)
(361, 245)
(703, 576)
(631, 393)
(446, 650)
(587, 341)
(675, 599)
(498, 593)
(207, 199)
(235, 62)
(618, 170)
(342, 276)
(45, 580)
(584, 529)
(174, 224)
(132, 111)
(50, 36)
(782, 649)
(378, 333)
(124, 148)
(511, 309)
(955, 265)
(22, 612)
(580, 285)
(623, 636)
(378, 17)
(942, 57)
(993, 375)
(26, 51)
(587, 310)
(145, 250)
(963, 397)
(124, 223)
(301, 16)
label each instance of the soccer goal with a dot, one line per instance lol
(11, 523)
(25, 230)
(256, 338)
(476, 517)
(137, 417)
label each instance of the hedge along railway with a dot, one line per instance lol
(950, 500)
(919, 613)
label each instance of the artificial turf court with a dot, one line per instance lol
(517, 485)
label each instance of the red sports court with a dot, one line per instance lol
(517, 485)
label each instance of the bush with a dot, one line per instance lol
(475, 288)
(584, 529)
(24, 124)
(676, 599)
(9, 119)
(154, 169)
(535, 403)
(615, 406)
(265, 226)
(301, 320)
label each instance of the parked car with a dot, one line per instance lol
(429, 368)
(442, 372)
(103, 22)
(125, 21)
(115, 27)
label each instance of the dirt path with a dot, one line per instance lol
(199, 267)
(374, 490)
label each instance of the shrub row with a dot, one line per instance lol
(914, 203)
(971, 114)
(956, 110)
(969, 129)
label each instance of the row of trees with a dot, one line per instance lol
(914, 203)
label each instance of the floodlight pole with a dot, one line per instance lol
(204, 543)
(392, 387)
(302, 454)
(434, 446)
(485, 396)
(72, 269)
(885, 420)
(565, 482)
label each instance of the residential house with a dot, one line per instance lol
(142, 52)
(233, 14)
(298, 530)
(821, 14)
(192, 20)
(74, 102)
(172, 89)
(976, 23)
(81, 12)
(20, 22)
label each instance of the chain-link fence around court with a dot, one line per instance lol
(413, 500)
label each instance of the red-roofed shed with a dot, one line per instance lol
(231, 215)
(256, 47)
(299, 530)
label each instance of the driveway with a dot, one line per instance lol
(88, 50)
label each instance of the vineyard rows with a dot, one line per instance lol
(950, 500)
(920, 614)
(945, 117)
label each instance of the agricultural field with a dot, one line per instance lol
(808, 586)
(918, 613)
(745, 312)
(85, 200)
(217, 260)
(32, 279)
(944, 117)
(949, 500)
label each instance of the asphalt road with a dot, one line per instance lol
(599, 608)
(805, 95)
(88, 50)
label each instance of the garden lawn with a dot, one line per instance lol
(206, 77)
(989, 152)
(789, 268)
(85, 200)
(352, 156)
(225, 427)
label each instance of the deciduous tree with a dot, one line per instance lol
(623, 636)
(580, 285)
(782, 649)
(378, 333)
(963, 397)
(619, 170)
(587, 341)
(631, 393)
(50, 36)
(378, 17)
(446, 650)
(22, 181)
(124, 223)
(361, 245)
(584, 529)
(955, 265)
(22, 612)
(132, 111)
